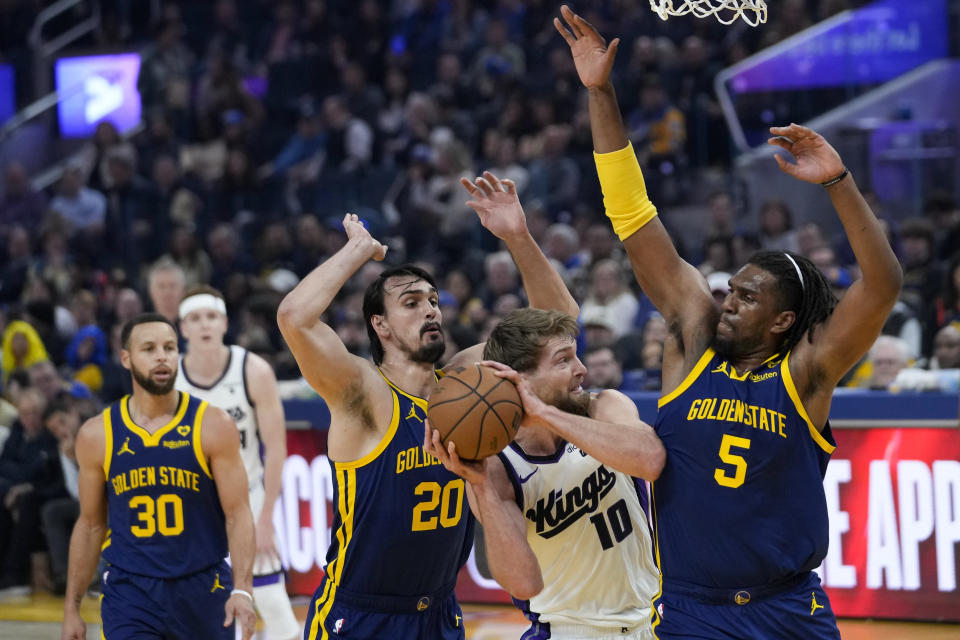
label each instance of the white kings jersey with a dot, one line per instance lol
(590, 535)
(229, 393)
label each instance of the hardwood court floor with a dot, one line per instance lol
(37, 618)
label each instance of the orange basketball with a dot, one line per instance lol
(476, 409)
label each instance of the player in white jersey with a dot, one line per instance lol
(243, 384)
(563, 521)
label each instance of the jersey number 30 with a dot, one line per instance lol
(738, 463)
(165, 514)
(449, 498)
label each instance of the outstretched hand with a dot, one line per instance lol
(592, 56)
(472, 472)
(497, 205)
(816, 160)
(357, 232)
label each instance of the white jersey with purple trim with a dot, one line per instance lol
(590, 534)
(230, 393)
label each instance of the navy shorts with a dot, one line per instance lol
(140, 607)
(336, 614)
(800, 611)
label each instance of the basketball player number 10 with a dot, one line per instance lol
(739, 464)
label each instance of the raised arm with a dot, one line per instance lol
(220, 441)
(677, 289)
(512, 561)
(861, 313)
(262, 383)
(614, 434)
(91, 527)
(499, 210)
(323, 359)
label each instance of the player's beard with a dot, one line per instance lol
(429, 353)
(150, 386)
(576, 402)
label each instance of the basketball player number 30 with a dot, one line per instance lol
(738, 463)
(154, 515)
(424, 514)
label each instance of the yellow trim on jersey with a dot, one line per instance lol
(108, 443)
(792, 392)
(384, 442)
(197, 446)
(346, 478)
(689, 380)
(106, 540)
(656, 553)
(153, 439)
(100, 602)
(420, 402)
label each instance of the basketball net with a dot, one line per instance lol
(753, 12)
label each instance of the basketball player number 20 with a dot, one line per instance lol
(424, 514)
(739, 464)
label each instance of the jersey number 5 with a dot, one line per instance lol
(739, 464)
(156, 515)
(452, 492)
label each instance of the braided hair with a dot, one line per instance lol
(812, 299)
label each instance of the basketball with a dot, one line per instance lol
(476, 409)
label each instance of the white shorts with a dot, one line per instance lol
(562, 631)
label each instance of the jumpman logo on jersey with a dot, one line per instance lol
(814, 605)
(125, 448)
(457, 616)
(732, 373)
(216, 584)
(413, 414)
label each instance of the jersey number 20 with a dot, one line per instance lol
(738, 463)
(157, 515)
(450, 495)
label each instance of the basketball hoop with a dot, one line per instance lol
(753, 12)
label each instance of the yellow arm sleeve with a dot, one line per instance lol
(624, 192)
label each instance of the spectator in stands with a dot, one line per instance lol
(116, 378)
(126, 306)
(348, 143)
(554, 176)
(82, 208)
(946, 306)
(166, 284)
(29, 476)
(60, 513)
(610, 297)
(722, 215)
(226, 257)
(16, 263)
(921, 273)
(166, 71)
(45, 378)
(603, 369)
(776, 227)
(300, 153)
(946, 348)
(500, 277)
(22, 205)
(886, 358)
(658, 131)
(94, 155)
(22, 348)
(133, 233)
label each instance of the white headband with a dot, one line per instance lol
(795, 266)
(202, 301)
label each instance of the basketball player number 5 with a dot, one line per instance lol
(739, 464)
(424, 518)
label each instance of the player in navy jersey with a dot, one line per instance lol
(163, 492)
(739, 510)
(401, 531)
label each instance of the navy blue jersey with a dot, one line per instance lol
(740, 501)
(163, 511)
(402, 525)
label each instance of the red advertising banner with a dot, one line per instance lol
(893, 496)
(894, 501)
